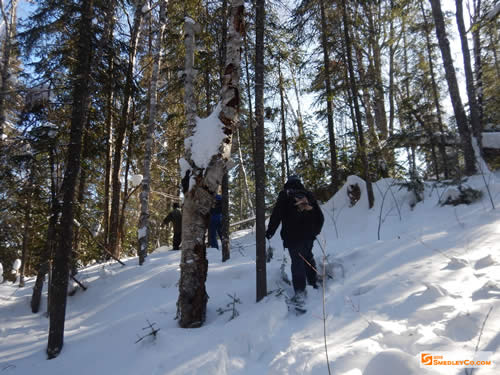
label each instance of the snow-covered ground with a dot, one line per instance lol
(430, 283)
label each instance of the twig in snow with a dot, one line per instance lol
(479, 339)
(153, 332)
(231, 306)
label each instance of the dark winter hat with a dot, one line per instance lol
(175, 205)
(293, 179)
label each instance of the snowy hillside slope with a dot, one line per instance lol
(430, 283)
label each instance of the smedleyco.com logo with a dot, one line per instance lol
(426, 359)
(458, 359)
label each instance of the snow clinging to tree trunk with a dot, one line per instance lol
(206, 139)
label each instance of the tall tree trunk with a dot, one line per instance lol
(26, 241)
(476, 40)
(126, 193)
(357, 120)
(329, 99)
(260, 174)
(435, 94)
(412, 149)
(80, 203)
(144, 225)
(114, 220)
(250, 210)
(365, 98)
(251, 122)
(302, 146)
(469, 78)
(379, 95)
(285, 165)
(81, 94)
(50, 241)
(456, 101)
(109, 106)
(7, 49)
(225, 179)
(200, 183)
(392, 52)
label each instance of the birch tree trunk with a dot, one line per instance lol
(144, 228)
(451, 78)
(8, 45)
(81, 95)
(200, 184)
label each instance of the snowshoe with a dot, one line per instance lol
(297, 303)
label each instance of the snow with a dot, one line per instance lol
(136, 180)
(491, 139)
(142, 232)
(206, 139)
(428, 284)
(16, 265)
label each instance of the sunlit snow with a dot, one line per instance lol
(428, 284)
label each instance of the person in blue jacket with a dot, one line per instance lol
(215, 222)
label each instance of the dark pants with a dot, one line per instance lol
(302, 270)
(177, 241)
(215, 228)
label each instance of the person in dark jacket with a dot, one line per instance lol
(175, 216)
(301, 221)
(215, 222)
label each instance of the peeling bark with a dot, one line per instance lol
(200, 192)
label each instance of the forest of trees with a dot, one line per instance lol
(97, 98)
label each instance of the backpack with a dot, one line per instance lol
(294, 194)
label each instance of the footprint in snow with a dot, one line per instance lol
(456, 264)
(485, 262)
(489, 290)
(363, 290)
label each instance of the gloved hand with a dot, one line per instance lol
(268, 235)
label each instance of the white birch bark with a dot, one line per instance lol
(143, 230)
(9, 20)
(204, 182)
